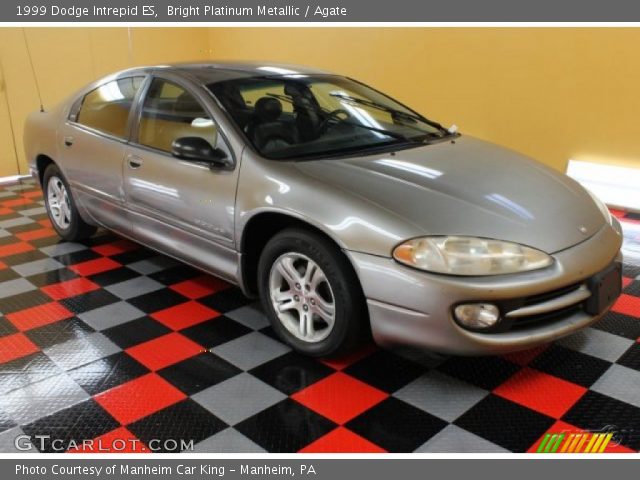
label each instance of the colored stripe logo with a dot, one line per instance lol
(583, 442)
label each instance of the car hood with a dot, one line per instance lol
(469, 187)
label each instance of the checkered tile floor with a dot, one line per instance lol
(107, 340)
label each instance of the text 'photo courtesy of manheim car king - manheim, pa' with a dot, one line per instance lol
(347, 213)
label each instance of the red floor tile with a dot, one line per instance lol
(2, 266)
(541, 392)
(525, 357)
(37, 316)
(339, 397)
(16, 202)
(200, 286)
(93, 267)
(36, 234)
(342, 440)
(184, 315)
(138, 398)
(119, 440)
(33, 194)
(15, 248)
(45, 222)
(627, 304)
(163, 351)
(114, 248)
(343, 362)
(15, 346)
(5, 211)
(70, 288)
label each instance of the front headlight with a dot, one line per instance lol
(601, 205)
(469, 256)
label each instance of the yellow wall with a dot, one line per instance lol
(65, 59)
(551, 93)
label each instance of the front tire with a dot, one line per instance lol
(311, 294)
(61, 206)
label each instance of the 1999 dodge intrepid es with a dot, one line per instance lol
(346, 212)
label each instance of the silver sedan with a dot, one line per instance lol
(348, 213)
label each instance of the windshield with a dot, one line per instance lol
(321, 115)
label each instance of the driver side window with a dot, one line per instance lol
(170, 112)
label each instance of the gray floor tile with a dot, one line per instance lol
(41, 399)
(250, 316)
(9, 438)
(63, 248)
(453, 439)
(111, 315)
(441, 395)
(4, 233)
(228, 441)
(16, 222)
(597, 343)
(80, 351)
(153, 265)
(33, 211)
(238, 398)
(37, 266)
(134, 287)
(250, 350)
(15, 287)
(621, 383)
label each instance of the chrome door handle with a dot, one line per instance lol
(135, 161)
(68, 141)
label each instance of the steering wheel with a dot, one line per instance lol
(334, 115)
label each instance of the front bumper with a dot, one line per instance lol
(411, 307)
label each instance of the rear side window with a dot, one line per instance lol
(106, 108)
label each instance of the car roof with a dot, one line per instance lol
(216, 71)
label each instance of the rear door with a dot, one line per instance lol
(93, 147)
(184, 208)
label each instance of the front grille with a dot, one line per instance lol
(543, 297)
(544, 318)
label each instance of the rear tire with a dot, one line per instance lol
(61, 206)
(311, 294)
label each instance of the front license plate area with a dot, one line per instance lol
(605, 287)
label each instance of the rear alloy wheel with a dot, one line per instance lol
(311, 294)
(61, 207)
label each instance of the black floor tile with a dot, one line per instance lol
(505, 423)
(6, 327)
(291, 372)
(26, 370)
(287, 426)
(179, 273)
(115, 275)
(619, 324)
(158, 300)
(484, 372)
(59, 332)
(89, 301)
(184, 421)
(570, 365)
(24, 301)
(84, 421)
(225, 301)
(136, 331)
(631, 358)
(215, 332)
(396, 426)
(108, 372)
(385, 370)
(25, 257)
(74, 258)
(199, 372)
(52, 276)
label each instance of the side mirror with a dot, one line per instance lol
(197, 149)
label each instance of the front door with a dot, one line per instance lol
(184, 208)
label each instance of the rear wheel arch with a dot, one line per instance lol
(42, 162)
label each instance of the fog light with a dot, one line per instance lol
(477, 315)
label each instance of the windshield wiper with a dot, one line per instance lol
(392, 111)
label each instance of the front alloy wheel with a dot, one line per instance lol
(311, 294)
(302, 298)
